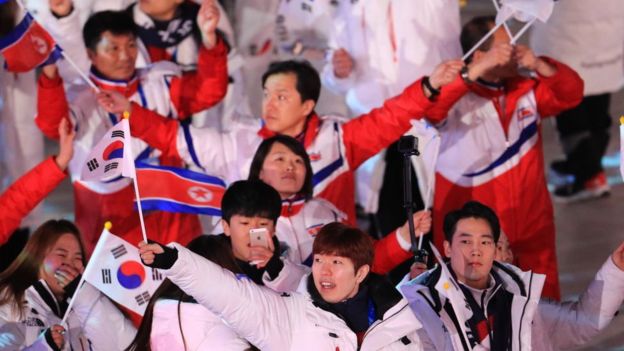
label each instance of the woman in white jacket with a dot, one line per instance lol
(173, 320)
(35, 291)
(283, 163)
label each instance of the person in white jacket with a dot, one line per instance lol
(476, 303)
(341, 307)
(378, 48)
(588, 37)
(35, 291)
(283, 163)
(173, 320)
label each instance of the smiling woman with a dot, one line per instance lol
(35, 289)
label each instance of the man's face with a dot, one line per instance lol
(238, 231)
(335, 277)
(115, 56)
(472, 252)
(283, 111)
(161, 10)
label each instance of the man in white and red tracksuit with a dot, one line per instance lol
(491, 150)
(110, 38)
(291, 89)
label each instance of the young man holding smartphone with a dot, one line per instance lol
(340, 306)
(250, 210)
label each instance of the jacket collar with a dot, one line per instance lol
(308, 135)
(43, 290)
(126, 87)
(292, 205)
(380, 291)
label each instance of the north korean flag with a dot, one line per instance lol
(179, 190)
(28, 46)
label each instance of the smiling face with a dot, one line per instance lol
(115, 56)
(472, 252)
(284, 170)
(335, 277)
(283, 111)
(238, 231)
(65, 252)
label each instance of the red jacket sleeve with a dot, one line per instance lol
(449, 95)
(156, 130)
(370, 133)
(388, 254)
(560, 92)
(23, 195)
(198, 90)
(52, 105)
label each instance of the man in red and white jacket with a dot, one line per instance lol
(491, 150)
(291, 90)
(111, 44)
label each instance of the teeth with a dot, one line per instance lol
(326, 285)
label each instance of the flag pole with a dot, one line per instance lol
(108, 226)
(505, 21)
(65, 56)
(485, 37)
(135, 180)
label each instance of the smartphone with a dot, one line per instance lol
(259, 237)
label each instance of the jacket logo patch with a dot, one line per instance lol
(315, 156)
(315, 229)
(525, 112)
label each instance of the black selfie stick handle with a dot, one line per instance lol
(420, 255)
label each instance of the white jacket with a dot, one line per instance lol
(94, 323)
(425, 33)
(589, 37)
(536, 325)
(203, 330)
(299, 229)
(272, 321)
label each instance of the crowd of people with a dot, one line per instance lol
(297, 107)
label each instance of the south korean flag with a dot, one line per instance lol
(115, 269)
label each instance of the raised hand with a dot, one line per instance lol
(498, 55)
(56, 333)
(207, 20)
(148, 252)
(66, 144)
(343, 63)
(113, 102)
(444, 73)
(422, 225)
(527, 59)
(156, 255)
(618, 257)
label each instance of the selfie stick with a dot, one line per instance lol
(408, 146)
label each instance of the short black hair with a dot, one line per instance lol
(471, 209)
(293, 145)
(473, 31)
(116, 22)
(251, 198)
(308, 80)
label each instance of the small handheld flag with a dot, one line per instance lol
(28, 46)
(111, 157)
(117, 272)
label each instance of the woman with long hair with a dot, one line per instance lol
(35, 291)
(173, 320)
(283, 163)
